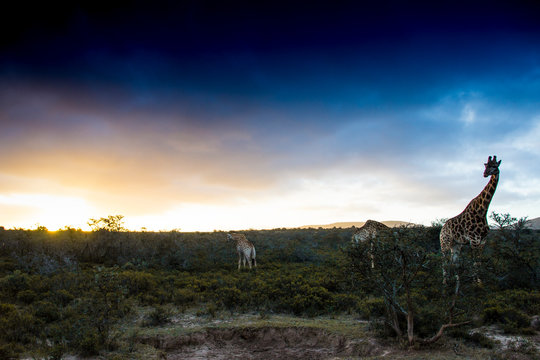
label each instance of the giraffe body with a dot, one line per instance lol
(368, 232)
(470, 227)
(245, 250)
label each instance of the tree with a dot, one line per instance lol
(112, 223)
(515, 252)
(406, 266)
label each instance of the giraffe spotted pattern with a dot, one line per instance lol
(245, 249)
(367, 233)
(470, 227)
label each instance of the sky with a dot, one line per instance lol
(217, 115)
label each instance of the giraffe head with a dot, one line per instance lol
(229, 237)
(492, 166)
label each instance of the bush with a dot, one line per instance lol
(46, 311)
(345, 302)
(137, 282)
(10, 351)
(510, 309)
(309, 300)
(56, 352)
(476, 338)
(512, 319)
(184, 297)
(16, 325)
(371, 307)
(90, 343)
(523, 300)
(158, 316)
(12, 284)
(26, 296)
(230, 298)
(211, 310)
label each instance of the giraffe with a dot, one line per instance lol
(368, 232)
(470, 227)
(245, 249)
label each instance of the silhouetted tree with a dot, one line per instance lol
(110, 223)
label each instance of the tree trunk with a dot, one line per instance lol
(410, 327)
(394, 322)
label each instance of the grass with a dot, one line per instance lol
(189, 322)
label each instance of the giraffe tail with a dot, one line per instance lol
(253, 262)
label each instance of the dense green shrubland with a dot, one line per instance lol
(66, 291)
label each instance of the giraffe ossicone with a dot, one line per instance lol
(245, 250)
(470, 227)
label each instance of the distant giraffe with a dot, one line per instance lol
(470, 227)
(367, 233)
(245, 249)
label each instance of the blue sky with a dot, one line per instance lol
(206, 115)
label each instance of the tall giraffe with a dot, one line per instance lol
(367, 233)
(245, 249)
(470, 227)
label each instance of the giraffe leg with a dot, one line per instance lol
(239, 260)
(477, 264)
(450, 263)
(371, 255)
(446, 262)
(454, 264)
(444, 274)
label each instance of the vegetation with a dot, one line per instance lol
(69, 291)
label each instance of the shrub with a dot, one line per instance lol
(230, 298)
(211, 309)
(12, 284)
(371, 307)
(63, 297)
(309, 300)
(158, 316)
(345, 302)
(16, 325)
(475, 337)
(510, 309)
(137, 282)
(512, 319)
(56, 352)
(90, 343)
(46, 311)
(184, 297)
(26, 296)
(10, 351)
(523, 300)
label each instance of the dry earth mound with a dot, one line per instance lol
(261, 343)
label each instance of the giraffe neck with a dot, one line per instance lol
(481, 203)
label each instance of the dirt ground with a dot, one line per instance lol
(261, 343)
(298, 342)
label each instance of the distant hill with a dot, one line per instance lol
(533, 223)
(390, 223)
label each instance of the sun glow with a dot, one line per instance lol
(292, 203)
(51, 211)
